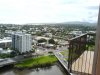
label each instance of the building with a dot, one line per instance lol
(22, 42)
(5, 42)
(76, 33)
(5, 51)
(48, 35)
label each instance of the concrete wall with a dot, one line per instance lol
(96, 63)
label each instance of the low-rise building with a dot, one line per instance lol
(5, 42)
(48, 35)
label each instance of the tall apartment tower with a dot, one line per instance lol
(22, 42)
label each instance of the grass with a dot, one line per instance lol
(91, 48)
(65, 53)
(37, 62)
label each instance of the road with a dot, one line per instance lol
(61, 59)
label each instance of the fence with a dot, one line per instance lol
(81, 52)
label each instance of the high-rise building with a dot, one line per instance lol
(22, 42)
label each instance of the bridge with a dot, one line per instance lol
(63, 62)
(7, 61)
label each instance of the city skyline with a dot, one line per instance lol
(47, 11)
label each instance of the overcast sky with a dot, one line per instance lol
(46, 11)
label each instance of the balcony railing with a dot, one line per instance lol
(81, 52)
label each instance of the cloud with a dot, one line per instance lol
(38, 11)
(93, 7)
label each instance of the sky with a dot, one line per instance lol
(48, 11)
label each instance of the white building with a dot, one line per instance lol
(48, 35)
(22, 42)
(76, 33)
(5, 42)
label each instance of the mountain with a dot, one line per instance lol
(78, 22)
(61, 23)
(65, 23)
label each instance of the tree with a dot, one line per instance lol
(13, 53)
(51, 41)
(50, 52)
(42, 40)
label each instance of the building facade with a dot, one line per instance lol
(5, 42)
(22, 42)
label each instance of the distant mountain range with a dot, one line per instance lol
(77, 22)
(65, 23)
(73, 22)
